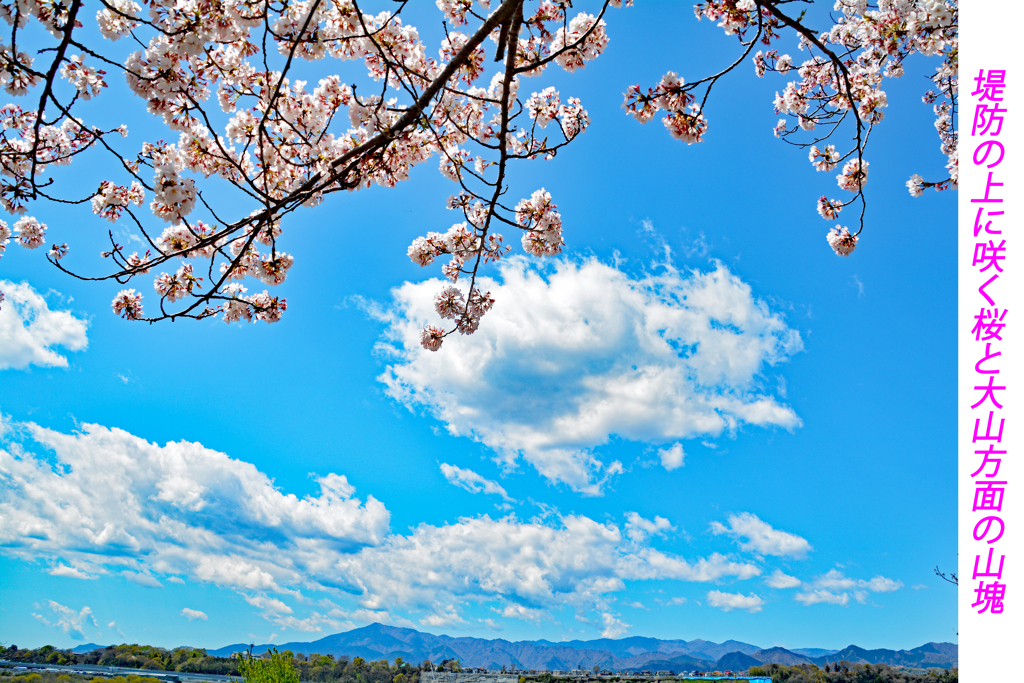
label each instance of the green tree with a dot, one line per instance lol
(276, 669)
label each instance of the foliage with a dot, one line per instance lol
(845, 672)
(277, 668)
(134, 656)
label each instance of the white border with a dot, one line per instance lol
(990, 644)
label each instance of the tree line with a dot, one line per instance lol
(316, 667)
(845, 672)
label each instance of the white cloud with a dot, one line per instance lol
(142, 578)
(818, 595)
(68, 620)
(636, 604)
(565, 361)
(730, 601)
(448, 617)
(675, 601)
(526, 566)
(267, 604)
(516, 611)
(176, 579)
(72, 572)
(638, 528)
(471, 481)
(107, 500)
(836, 588)
(113, 625)
(613, 626)
(671, 457)
(761, 537)
(193, 614)
(778, 579)
(112, 499)
(29, 330)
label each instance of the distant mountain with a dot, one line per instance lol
(677, 663)
(636, 653)
(780, 655)
(943, 655)
(88, 647)
(735, 661)
(814, 651)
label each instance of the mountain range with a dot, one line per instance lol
(636, 653)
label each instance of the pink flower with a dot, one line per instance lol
(128, 304)
(431, 338)
(854, 175)
(841, 241)
(449, 304)
(824, 160)
(915, 185)
(30, 233)
(829, 208)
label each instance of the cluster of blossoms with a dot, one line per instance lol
(488, 117)
(683, 117)
(841, 241)
(840, 81)
(450, 304)
(583, 40)
(854, 175)
(112, 199)
(824, 159)
(283, 142)
(28, 148)
(540, 218)
(86, 80)
(29, 233)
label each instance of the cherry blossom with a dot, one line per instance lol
(839, 83)
(112, 199)
(431, 338)
(128, 304)
(854, 175)
(824, 160)
(30, 233)
(239, 110)
(915, 185)
(841, 241)
(544, 106)
(829, 208)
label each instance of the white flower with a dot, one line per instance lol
(841, 241)
(431, 338)
(128, 303)
(30, 233)
(854, 175)
(915, 185)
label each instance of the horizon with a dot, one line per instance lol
(445, 635)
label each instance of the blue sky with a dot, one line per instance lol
(697, 423)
